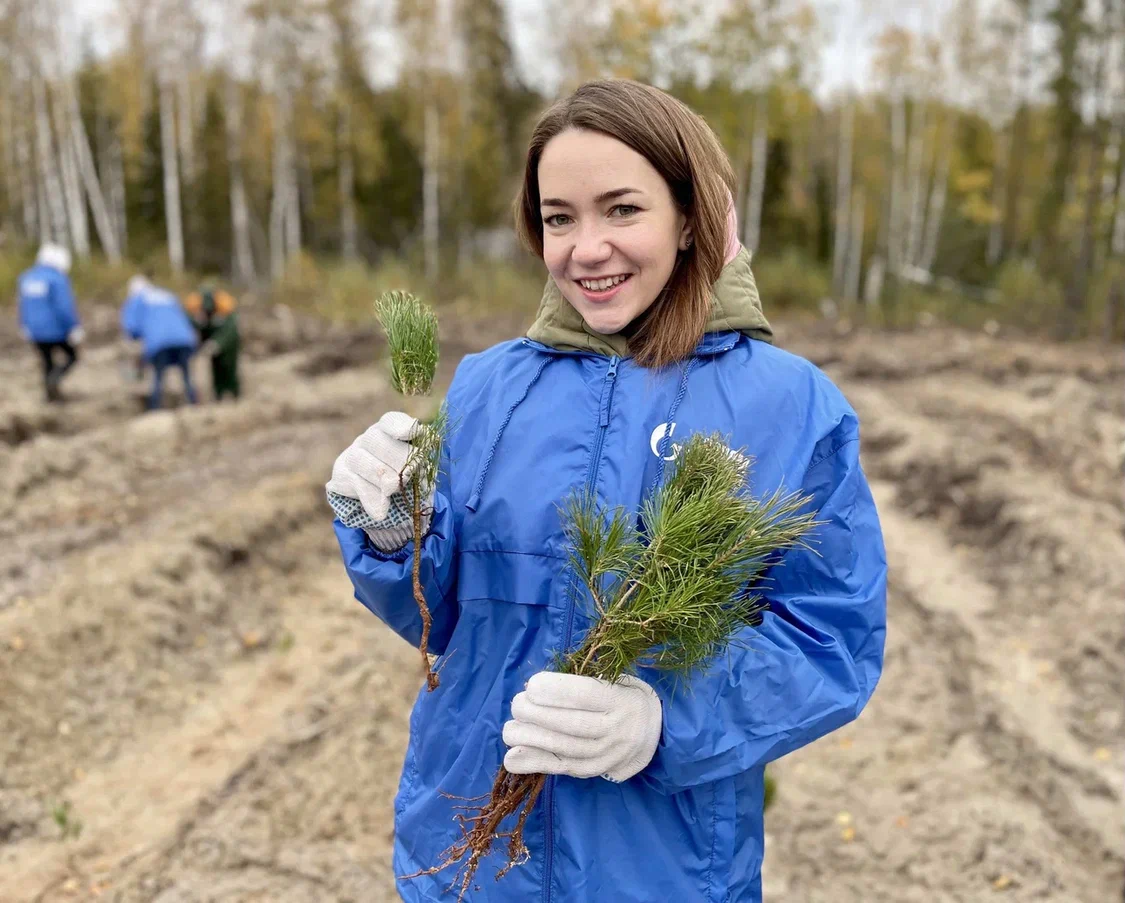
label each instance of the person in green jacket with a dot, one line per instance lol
(214, 313)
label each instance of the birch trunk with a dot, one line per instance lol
(855, 248)
(186, 131)
(430, 199)
(23, 153)
(917, 183)
(52, 206)
(28, 195)
(752, 224)
(936, 212)
(84, 162)
(1117, 238)
(894, 217)
(1110, 179)
(7, 135)
(346, 170)
(282, 183)
(111, 169)
(168, 154)
(239, 209)
(843, 199)
(1080, 280)
(999, 198)
(293, 210)
(117, 180)
(72, 186)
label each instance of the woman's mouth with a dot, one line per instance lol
(604, 288)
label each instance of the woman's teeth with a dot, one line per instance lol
(601, 285)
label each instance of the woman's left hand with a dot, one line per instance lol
(583, 727)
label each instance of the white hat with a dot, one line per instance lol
(55, 256)
(136, 284)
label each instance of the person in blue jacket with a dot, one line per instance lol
(649, 329)
(48, 315)
(154, 317)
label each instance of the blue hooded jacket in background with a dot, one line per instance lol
(46, 302)
(155, 316)
(532, 422)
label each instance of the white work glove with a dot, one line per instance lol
(76, 336)
(583, 727)
(368, 472)
(25, 334)
(209, 348)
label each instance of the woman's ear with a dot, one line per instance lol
(686, 236)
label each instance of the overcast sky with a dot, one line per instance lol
(845, 61)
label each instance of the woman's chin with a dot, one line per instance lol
(605, 322)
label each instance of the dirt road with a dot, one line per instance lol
(192, 708)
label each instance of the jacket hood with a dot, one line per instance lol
(735, 305)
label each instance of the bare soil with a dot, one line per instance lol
(193, 708)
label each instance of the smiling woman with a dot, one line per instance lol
(649, 331)
(615, 207)
(610, 250)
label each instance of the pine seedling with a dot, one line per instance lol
(671, 596)
(411, 330)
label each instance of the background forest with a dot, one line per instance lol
(966, 162)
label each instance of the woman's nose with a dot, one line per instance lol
(591, 246)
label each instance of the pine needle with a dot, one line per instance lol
(675, 598)
(411, 329)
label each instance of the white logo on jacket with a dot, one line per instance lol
(674, 448)
(657, 435)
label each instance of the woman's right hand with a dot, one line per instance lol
(370, 468)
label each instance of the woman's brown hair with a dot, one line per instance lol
(687, 154)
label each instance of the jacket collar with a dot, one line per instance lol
(735, 309)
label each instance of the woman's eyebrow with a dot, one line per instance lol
(600, 199)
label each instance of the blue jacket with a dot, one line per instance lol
(531, 423)
(47, 310)
(155, 316)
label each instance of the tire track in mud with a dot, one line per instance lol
(155, 786)
(959, 777)
(192, 634)
(1028, 742)
(1056, 559)
(1061, 425)
(287, 827)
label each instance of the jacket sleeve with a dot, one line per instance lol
(813, 663)
(62, 297)
(384, 582)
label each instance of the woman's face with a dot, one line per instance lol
(611, 231)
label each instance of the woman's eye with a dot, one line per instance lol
(556, 219)
(624, 210)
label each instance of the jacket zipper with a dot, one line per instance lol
(591, 481)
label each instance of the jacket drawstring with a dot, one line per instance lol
(662, 446)
(474, 499)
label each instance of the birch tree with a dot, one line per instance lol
(52, 207)
(840, 241)
(425, 27)
(239, 207)
(283, 29)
